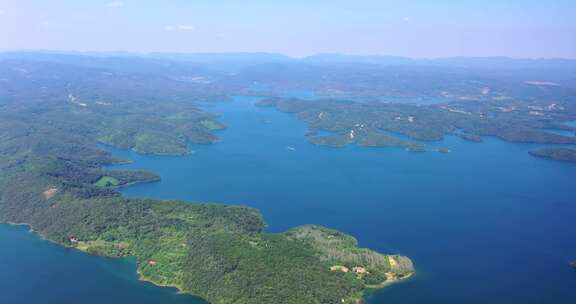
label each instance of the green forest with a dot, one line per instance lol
(410, 126)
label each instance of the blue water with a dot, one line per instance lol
(568, 133)
(484, 224)
(34, 271)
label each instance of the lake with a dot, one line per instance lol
(486, 223)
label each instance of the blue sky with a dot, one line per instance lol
(417, 28)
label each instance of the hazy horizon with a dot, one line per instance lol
(414, 29)
(295, 57)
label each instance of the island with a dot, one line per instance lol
(471, 137)
(561, 154)
(55, 180)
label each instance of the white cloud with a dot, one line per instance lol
(406, 19)
(2, 12)
(179, 28)
(115, 4)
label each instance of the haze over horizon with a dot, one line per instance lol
(417, 29)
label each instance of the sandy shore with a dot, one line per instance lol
(390, 281)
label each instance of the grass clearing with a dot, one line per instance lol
(107, 181)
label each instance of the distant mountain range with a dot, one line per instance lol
(241, 59)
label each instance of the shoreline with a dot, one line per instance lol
(391, 281)
(180, 289)
(141, 277)
(148, 181)
(40, 235)
(385, 284)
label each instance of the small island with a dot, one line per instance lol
(471, 137)
(561, 154)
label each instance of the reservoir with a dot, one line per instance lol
(486, 223)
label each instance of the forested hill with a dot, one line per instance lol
(341, 122)
(51, 122)
(562, 154)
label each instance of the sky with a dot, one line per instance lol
(412, 28)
